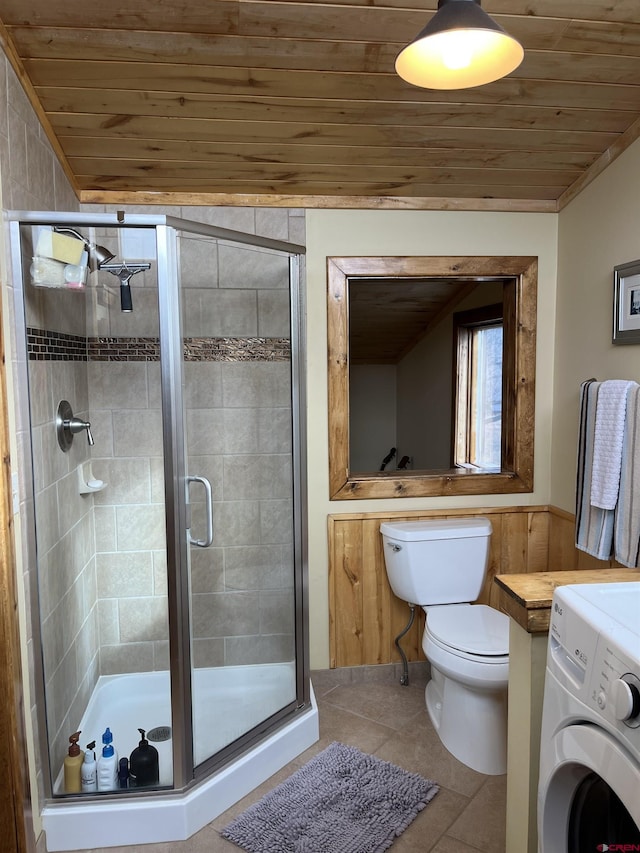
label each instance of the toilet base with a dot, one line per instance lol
(472, 724)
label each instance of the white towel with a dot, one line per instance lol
(607, 442)
(594, 526)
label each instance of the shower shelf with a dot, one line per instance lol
(87, 483)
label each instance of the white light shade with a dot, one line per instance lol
(460, 47)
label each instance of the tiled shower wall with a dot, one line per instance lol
(238, 405)
(64, 518)
(124, 401)
(238, 422)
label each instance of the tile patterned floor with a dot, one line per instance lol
(367, 708)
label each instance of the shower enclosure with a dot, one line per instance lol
(163, 360)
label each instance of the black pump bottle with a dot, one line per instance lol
(143, 764)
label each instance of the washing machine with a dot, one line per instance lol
(589, 784)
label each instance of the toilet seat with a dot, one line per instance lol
(484, 673)
(470, 631)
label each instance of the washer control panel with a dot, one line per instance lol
(625, 693)
(594, 650)
(614, 688)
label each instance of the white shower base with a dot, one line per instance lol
(230, 700)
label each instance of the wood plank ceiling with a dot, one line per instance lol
(213, 100)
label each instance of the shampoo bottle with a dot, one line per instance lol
(89, 769)
(108, 764)
(72, 766)
(143, 764)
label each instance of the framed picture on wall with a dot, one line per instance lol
(626, 303)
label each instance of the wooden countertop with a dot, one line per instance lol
(526, 598)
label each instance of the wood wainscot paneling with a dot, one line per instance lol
(365, 616)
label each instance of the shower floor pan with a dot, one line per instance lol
(224, 711)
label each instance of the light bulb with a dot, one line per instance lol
(457, 49)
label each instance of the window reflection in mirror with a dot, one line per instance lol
(407, 415)
(477, 388)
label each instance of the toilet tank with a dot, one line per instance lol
(436, 561)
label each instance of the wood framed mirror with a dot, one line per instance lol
(456, 278)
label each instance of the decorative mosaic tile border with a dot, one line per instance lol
(44, 345)
(237, 349)
(124, 349)
(54, 346)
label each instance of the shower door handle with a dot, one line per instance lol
(208, 540)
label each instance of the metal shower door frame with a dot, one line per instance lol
(176, 474)
(169, 302)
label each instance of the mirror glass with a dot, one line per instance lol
(402, 369)
(400, 378)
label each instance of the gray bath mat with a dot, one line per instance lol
(342, 801)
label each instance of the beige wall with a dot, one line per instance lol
(338, 232)
(597, 231)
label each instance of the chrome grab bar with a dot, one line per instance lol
(202, 543)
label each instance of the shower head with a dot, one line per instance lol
(98, 255)
(124, 272)
(101, 255)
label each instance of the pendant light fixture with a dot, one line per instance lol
(460, 47)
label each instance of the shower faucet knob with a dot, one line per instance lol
(67, 426)
(76, 425)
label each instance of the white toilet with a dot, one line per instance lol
(440, 564)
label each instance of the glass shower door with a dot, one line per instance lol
(239, 421)
(98, 492)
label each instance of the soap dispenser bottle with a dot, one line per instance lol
(89, 769)
(72, 766)
(108, 764)
(143, 764)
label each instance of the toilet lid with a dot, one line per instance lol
(476, 629)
